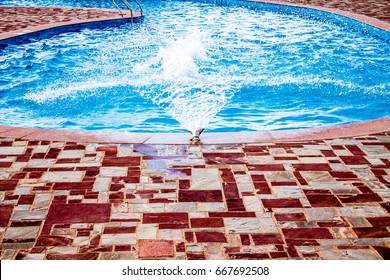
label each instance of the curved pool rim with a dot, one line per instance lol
(59, 27)
(208, 138)
(328, 132)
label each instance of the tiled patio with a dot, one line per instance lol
(301, 200)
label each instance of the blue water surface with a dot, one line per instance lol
(235, 67)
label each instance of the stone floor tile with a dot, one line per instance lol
(62, 176)
(250, 225)
(155, 249)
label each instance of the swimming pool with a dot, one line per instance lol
(194, 64)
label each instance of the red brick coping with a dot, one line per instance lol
(17, 21)
(342, 131)
(332, 9)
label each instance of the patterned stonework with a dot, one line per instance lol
(294, 200)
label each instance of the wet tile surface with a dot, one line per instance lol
(201, 202)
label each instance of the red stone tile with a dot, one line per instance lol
(278, 255)
(173, 226)
(25, 223)
(123, 248)
(230, 190)
(181, 247)
(245, 239)
(225, 158)
(165, 218)
(155, 249)
(265, 167)
(6, 213)
(262, 187)
(379, 221)
(121, 161)
(48, 241)
(258, 178)
(307, 233)
(355, 150)
(232, 214)
(26, 199)
(265, 239)
(78, 213)
(294, 217)
(235, 205)
(328, 153)
(189, 236)
(195, 256)
(81, 256)
(249, 256)
(207, 222)
(352, 247)
(95, 249)
(73, 186)
(200, 196)
(312, 167)
(255, 149)
(333, 224)
(210, 237)
(114, 230)
(5, 164)
(8, 185)
(371, 232)
(184, 184)
(283, 184)
(343, 175)
(383, 251)
(282, 203)
(302, 242)
(360, 198)
(354, 160)
(285, 158)
(323, 201)
(227, 176)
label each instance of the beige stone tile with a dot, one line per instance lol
(102, 184)
(12, 150)
(317, 176)
(170, 234)
(250, 225)
(63, 176)
(252, 204)
(41, 163)
(21, 232)
(71, 154)
(119, 239)
(147, 231)
(113, 172)
(205, 179)
(148, 208)
(182, 207)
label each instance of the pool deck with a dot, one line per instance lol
(311, 194)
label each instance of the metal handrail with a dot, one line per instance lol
(128, 7)
(140, 7)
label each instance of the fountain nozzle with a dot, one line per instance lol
(196, 134)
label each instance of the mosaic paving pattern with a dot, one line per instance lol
(296, 200)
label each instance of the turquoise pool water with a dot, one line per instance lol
(194, 64)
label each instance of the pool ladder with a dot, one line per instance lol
(128, 7)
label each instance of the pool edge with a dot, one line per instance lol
(32, 30)
(352, 15)
(211, 138)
